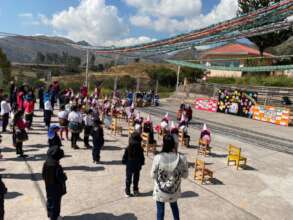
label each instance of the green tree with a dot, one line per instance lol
(40, 58)
(266, 40)
(5, 67)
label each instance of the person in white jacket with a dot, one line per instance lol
(167, 170)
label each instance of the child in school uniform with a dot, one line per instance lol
(134, 159)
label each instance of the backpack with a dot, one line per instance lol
(169, 181)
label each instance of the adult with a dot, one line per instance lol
(55, 181)
(167, 170)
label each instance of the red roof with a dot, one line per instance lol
(235, 49)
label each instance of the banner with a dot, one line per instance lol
(206, 104)
(275, 115)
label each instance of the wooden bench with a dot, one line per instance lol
(146, 144)
(181, 139)
(115, 128)
(234, 155)
(203, 148)
(201, 173)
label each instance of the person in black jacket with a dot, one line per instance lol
(3, 191)
(54, 139)
(134, 159)
(98, 140)
(55, 181)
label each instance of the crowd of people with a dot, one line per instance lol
(82, 113)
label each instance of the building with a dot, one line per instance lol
(233, 55)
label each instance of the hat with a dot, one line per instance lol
(173, 125)
(132, 105)
(51, 132)
(204, 128)
(148, 118)
(55, 152)
(166, 116)
(183, 118)
(137, 116)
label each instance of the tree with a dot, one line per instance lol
(40, 58)
(266, 40)
(5, 67)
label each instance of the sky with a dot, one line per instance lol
(112, 22)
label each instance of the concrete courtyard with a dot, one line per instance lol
(263, 190)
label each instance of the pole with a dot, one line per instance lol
(157, 86)
(178, 77)
(137, 84)
(87, 69)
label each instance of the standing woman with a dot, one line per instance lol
(167, 170)
(75, 125)
(19, 133)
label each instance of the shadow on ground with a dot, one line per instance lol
(22, 176)
(12, 195)
(113, 162)
(218, 155)
(84, 168)
(189, 194)
(112, 148)
(102, 216)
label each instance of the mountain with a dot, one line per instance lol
(285, 48)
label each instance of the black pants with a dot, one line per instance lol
(5, 120)
(19, 150)
(1, 206)
(74, 138)
(41, 104)
(47, 117)
(96, 152)
(132, 175)
(53, 207)
(87, 132)
(29, 119)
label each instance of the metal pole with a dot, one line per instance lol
(178, 77)
(87, 69)
(137, 84)
(157, 86)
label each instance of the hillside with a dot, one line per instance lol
(285, 48)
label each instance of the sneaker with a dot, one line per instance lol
(128, 195)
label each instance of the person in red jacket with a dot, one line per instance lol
(19, 133)
(19, 98)
(29, 106)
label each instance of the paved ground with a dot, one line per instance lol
(261, 191)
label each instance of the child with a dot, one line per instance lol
(5, 110)
(55, 181)
(88, 123)
(48, 112)
(63, 121)
(134, 159)
(3, 191)
(54, 139)
(29, 109)
(98, 140)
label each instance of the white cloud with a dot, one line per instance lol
(179, 15)
(167, 8)
(130, 41)
(91, 20)
(26, 15)
(141, 21)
